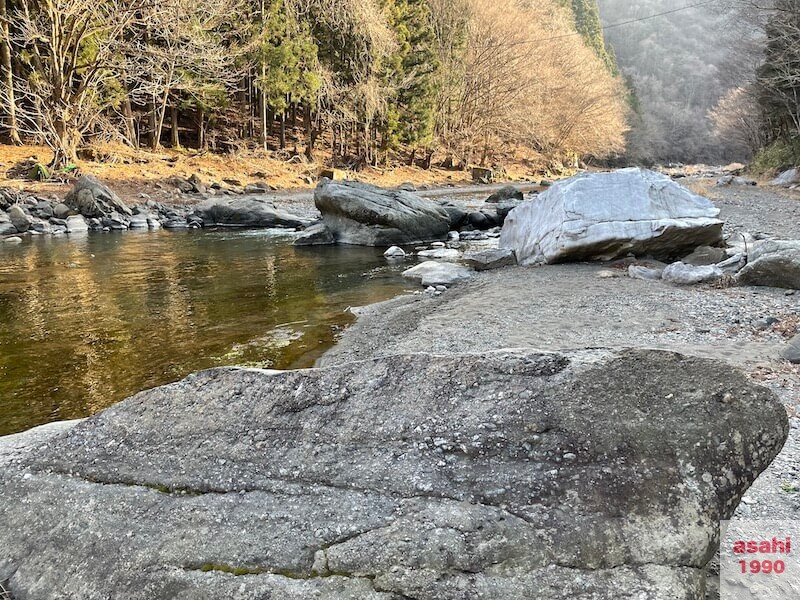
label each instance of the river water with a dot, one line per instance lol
(87, 321)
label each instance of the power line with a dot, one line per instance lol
(615, 25)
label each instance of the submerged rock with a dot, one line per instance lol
(505, 475)
(597, 216)
(366, 215)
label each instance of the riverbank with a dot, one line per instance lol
(572, 306)
(134, 173)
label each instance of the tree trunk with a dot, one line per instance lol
(283, 130)
(152, 141)
(413, 158)
(309, 129)
(202, 138)
(130, 126)
(8, 75)
(175, 138)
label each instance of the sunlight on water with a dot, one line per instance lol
(88, 321)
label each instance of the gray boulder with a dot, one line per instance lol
(246, 212)
(76, 224)
(773, 263)
(786, 178)
(316, 235)
(367, 215)
(456, 214)
(6, 226)
(645, 273)
(61, 211)
(490, 259)
(705, 255)
(448, 254)
(21, 220)
(91, 198)
(395, 252)
(433, 273)
(792, 350)
(683, 274)
(506, 476)
(505, 194)
(601, 216)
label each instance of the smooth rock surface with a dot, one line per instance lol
(367, 215)
(645, 273)
(246, 212)
(505, 194)
(601, 216)
(705, 255)
(395, 252)
(435, 273)
(440, 254)
(786, 178)
(486, 260)
(510, 475)
(683, 274)
(91, 198)
(21, 220)
(773, 263)
(316, 235)
(76, 224)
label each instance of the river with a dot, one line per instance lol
(87, 321)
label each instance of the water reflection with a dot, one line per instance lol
(86, 321)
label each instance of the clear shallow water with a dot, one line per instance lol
(87, 321)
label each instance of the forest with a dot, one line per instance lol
(370, 81)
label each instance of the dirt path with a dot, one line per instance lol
(579, 306)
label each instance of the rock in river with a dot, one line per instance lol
(607, 215)
(508, 475)
(246, 212)
(367, 215)
(91, 198)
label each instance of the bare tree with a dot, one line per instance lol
(67, 92)
(8, 75)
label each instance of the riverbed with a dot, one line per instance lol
(86, 321)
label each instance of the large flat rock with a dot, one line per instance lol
(601, 216)
(508, 475)
(246, 212)
(366, 215)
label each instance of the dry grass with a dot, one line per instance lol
(5, 594)
(130, 172)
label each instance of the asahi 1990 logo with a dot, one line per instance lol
(757, 560)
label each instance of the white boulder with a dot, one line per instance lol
(432, 273)
(601, 216)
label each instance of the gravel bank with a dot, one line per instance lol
(578, 306)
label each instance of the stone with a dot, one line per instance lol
(506, 475)
(366, 215)
(76, 224)
(772, 263)
(482, 175)
(19, 218)
(706, 255)
(61, 211)
(456, 214)
(257, 188)
(315, 235)
(176, 223)
(683, 274)
(245, 212)
(645, 273)
(448, 254)
(153, 222)
(43, 209)
(437, 273)
(198, 187)
(91, 198)
(735, 180)
(14, 239)
(184, 185)
(395, 252)
(786, 178)
(792, 351)
(115, 221)
(6, 226)
(333, 174)
(503, 209)
(480, 220)
(490, 259)
(505, 194)
(407, 187)
(602, 216)
(139, 221)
